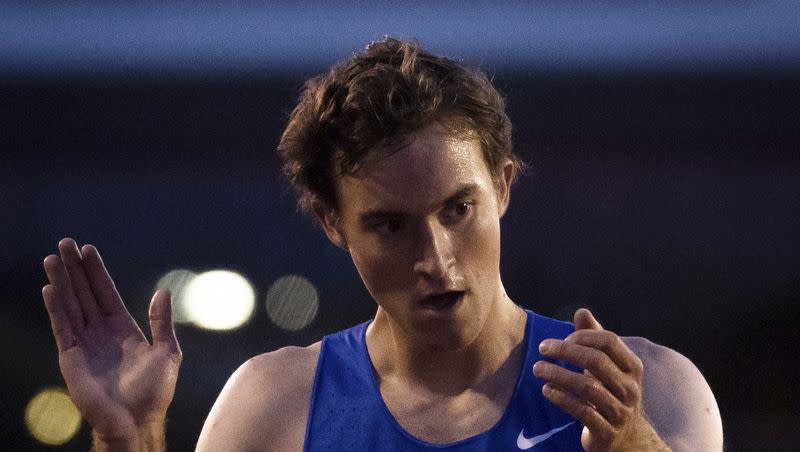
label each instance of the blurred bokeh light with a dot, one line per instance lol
(219, 300)
(51, 417)
(176, 281)
(292, 302)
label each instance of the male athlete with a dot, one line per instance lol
(405, 158)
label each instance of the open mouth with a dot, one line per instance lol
(443, 301)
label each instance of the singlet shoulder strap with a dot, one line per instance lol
(343, 373)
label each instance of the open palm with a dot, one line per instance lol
(116, 378)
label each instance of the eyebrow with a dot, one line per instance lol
(373, 215)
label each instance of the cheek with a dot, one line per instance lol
(384, 273)
(480, 253)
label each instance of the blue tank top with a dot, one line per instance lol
(347, 411)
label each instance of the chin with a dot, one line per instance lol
(445, 335)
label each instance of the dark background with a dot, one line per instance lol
(665, 200)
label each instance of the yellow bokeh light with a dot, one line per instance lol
(51, 417)
(292, 302)
(219, 300)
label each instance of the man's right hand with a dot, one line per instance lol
(121, 384)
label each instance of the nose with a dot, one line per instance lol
(434, 252)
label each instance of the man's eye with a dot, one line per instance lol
(458, 210)
(463, 208)
(389, 226)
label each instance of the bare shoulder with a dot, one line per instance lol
(677, 399)
(264, 404)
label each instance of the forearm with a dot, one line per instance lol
(148, 438)
(647, 438)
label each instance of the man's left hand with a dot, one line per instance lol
(607, 397)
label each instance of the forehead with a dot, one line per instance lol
(432, 165)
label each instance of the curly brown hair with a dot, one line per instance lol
(378, 98)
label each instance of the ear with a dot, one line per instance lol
(504, 188)
(330, 221)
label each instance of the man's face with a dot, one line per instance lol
(422, 225)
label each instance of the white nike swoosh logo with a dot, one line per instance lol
(526, 443)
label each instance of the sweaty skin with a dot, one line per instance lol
(633, 394)
(418, 221)
(409, 236)
(675, 397)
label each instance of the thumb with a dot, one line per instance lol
(161, 326)
(584, 320)
(588, 442)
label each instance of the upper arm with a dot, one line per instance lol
(264, 404)
(677, 399)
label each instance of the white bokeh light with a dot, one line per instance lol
(292, 302)
(219, 300)
(176, 281)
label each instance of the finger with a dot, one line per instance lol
(108, 299)
(62, 292)
(161, 325)
(610, 344)
(71, 256)
(59, 320)
(584, 320)
(583, 387)
(580, 410)
(594, 361)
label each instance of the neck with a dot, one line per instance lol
(495, 353)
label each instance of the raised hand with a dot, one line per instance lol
(607, 397)
(121, 384)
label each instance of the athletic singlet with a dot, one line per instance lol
(347, 411)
